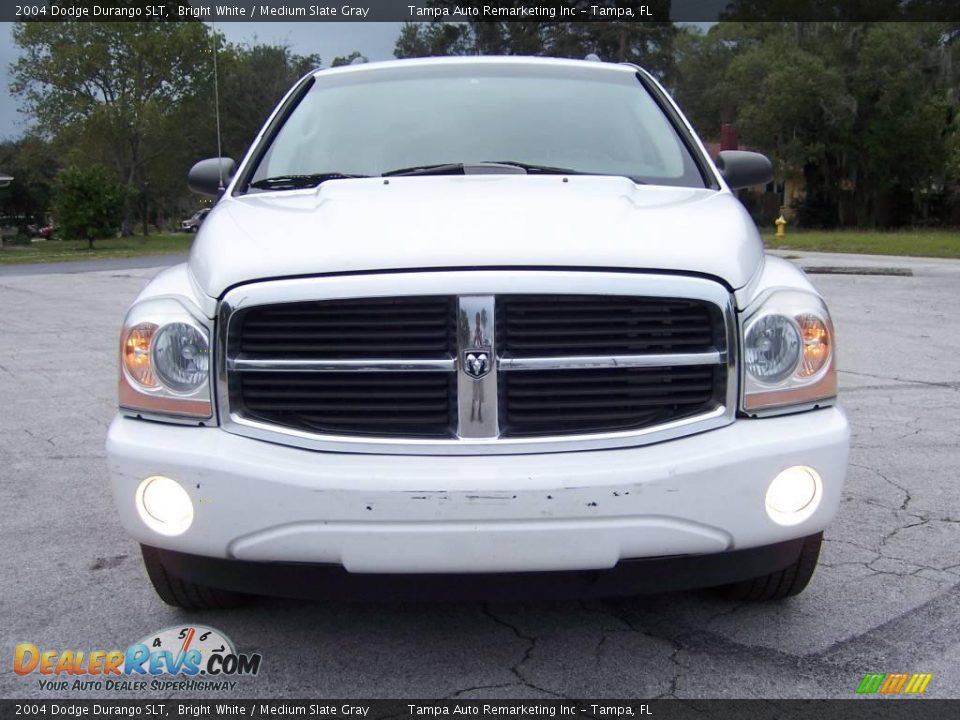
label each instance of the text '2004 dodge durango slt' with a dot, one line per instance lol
(480, 318)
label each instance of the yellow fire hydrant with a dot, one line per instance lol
(781, 224)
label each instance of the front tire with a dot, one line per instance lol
(782, 583)
(177, 591)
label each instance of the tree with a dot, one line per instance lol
(863, 111)
(647, 43)
(346, 59)
(89, 203)
(139, 98)
(110, 81)
(32, 162)
(252, 80)
(903, 122)
(432, 40)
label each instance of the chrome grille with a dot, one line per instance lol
(557, 402)
(552, 325)
(387, 403)
(281, 351)
(561, 402)
(470, 368)
(407, 327)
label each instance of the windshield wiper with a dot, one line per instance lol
(538, 169)
(550, 170)
(487, 167)
(295, 182)
(435, 169)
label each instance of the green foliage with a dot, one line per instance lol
(109, 84)
(109, 73)
(788, 102)
(913, 242)
(432, 40)
(701, 61)
(253, 79)
(649, 44)
(31, 162)
(89, 203)
(345, 59)
(139, 98)
(863, 112)
(67, 250)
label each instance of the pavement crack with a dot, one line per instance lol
(531, 643)
(37, 437)
(676, 647)
(604, 630)
(886, 538)
(671, 691)
(474, 688)
(598, 649)
(911, 381)
(906, 493)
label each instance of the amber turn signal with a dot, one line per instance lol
(816, 344)
(136, 354)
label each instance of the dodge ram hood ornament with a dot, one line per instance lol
(476, 363)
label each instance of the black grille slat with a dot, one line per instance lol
(381, 403)
(361, 380)
(397, 351)
(345, 403)
(559, 402)
(600, 392)
(559, 325)
(367, 328)
(587, 317)
(594, 332)
(562, 346)
(647, 399)
(564, 402)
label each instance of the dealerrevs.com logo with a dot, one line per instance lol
(197, 656)
(895, 683)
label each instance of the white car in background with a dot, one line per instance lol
(192, 224)
(484, 317)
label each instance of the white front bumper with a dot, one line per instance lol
(258, 501)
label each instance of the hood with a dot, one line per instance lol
(475, 221)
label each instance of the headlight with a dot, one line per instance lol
(772, 348)
(816, 344)
(165, 360)
(788, 352)
(181, 356)
(136, 353)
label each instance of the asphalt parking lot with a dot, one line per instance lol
(886, 596)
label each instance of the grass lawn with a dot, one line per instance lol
(66, 250)
(919, 243)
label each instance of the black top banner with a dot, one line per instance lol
(533, 709)
(460, 11)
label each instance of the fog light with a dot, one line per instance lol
(164, 505)
(794, 495)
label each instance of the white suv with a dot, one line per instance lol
(495, 318)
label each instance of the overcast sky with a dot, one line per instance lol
(328, 39)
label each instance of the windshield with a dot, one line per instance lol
(582, 119)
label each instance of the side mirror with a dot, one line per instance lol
(204, 177)
(742, 169)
